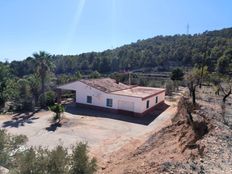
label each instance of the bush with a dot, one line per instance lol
(80, 162)
(48, 99)
(24, 105)
(8, 147)
(95, 75)
(4, 157)
(57, 161)
(43, 161)
(40, 161)
(170, 87)
(58, 109)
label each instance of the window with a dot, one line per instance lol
(148, 102)
(89, 99)
(156, 99)
(109, 102)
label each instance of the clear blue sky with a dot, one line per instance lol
(76, 26)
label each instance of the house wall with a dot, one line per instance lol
(120, 102)
(99, 98)
(152, 100)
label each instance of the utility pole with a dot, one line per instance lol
(129, 74)
(187, 29)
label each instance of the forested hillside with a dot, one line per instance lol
(161, 53)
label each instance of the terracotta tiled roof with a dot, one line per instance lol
(105, 84)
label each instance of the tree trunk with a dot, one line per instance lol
(190, 118)
(194, 96)
(217, 91)
(227, 95)
(43, 90)
(42, 85)
(59, 117)
(202, 71)
(58, 94)
(36, 99)
(176, 85)
(223, 107)
(190, 92)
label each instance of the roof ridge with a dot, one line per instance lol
(106, 85)
(92, 79)
(67, 83)
(94, 86)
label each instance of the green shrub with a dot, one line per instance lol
(24, 105)
(4, 157)
(8, 147)
(80, 162)
(170, 87)
(95, 75)
(26, 162)
(58, 161)
(42, 160)
(48, 99)
(58, 109)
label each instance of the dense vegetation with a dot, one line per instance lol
(40, 161)
(161, 53)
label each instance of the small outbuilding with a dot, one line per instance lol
(108, 95)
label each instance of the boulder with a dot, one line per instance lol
(3, 170)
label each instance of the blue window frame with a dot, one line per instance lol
(89, 99)
(109, 102)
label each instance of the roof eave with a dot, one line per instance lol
(149, 96)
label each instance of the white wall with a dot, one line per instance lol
(99, 98)
(152, 100)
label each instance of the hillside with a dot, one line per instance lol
(161, 53)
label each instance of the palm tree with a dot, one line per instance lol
(34, 85)
(43, 67)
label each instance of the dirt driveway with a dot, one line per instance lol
(104, 132)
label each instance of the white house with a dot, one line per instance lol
(107, 94)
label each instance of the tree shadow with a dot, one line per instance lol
(53, 127)
(145, 120)
(20, 119)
